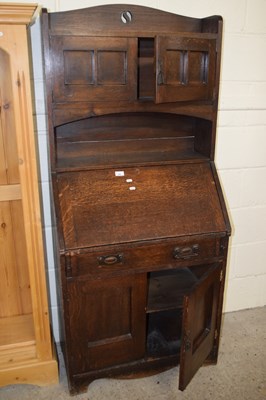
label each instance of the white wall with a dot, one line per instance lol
(241, 138)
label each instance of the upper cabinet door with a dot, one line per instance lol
(185, 68)
(93, 68)
(199, 324)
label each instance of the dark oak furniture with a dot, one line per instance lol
(142, 225)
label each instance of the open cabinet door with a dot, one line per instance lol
(199, 324)
(185, 68)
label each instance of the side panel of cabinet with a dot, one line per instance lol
(185, 69)
(106, 322)
(93, 69)
(199, 324)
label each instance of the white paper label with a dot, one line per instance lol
(132, 188)
(129, 180)
(119, 173)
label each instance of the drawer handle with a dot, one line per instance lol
(111, 259)
(186, 252)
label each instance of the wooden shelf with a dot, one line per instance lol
(113, 153)
(167, 288)
(129, 138)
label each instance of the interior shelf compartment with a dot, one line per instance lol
(130, 138)
(127, 153)
(164, 333)
(167, 288)
(146, 69)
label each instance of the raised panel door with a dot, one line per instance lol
(199, 323)
(106, 321)
(93, 68)
(185, 68)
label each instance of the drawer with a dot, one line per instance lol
(112, 260)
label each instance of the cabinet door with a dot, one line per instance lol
(106, 322)
(185, 69)
(199, 324)
(93, 68)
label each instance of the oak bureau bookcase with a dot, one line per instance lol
(142, 226)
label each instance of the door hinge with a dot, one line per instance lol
(215, 334)
(71, 264)
(221, 275)
(187, 343)
(68, 267)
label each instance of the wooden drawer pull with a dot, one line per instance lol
(186, 252)
(111, 259)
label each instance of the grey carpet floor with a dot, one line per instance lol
(239, 374)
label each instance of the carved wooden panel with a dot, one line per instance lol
(185, 69)
(89, 68)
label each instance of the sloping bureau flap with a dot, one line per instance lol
(111, 206)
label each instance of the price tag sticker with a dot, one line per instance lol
(119, 173)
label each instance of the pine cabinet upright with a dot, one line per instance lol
(26, 345)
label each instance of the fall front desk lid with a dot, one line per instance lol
(112, 206)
